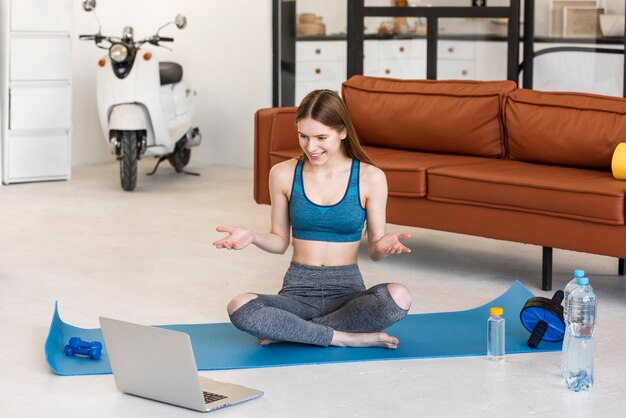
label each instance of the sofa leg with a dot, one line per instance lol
(546, 269)
(620, 267)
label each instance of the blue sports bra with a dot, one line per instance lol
(341, 222)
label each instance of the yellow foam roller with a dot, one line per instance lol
(618, 164)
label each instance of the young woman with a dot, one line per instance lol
(325, 196)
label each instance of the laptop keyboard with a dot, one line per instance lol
(212, 397)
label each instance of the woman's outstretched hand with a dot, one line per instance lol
(238, 238)
(390, 244)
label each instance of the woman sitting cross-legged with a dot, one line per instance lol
(325, 197)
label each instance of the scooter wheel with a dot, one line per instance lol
(179, 158)
(128, 161)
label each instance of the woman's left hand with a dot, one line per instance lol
(390, 244)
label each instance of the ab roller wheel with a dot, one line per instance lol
(543, 318)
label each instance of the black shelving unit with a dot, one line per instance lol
(284, 40)
(357, 12)
(283, 52)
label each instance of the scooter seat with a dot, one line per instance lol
(170, 72)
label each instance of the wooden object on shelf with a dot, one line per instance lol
(401, 25)
(556, 13)
(307, 17)
(309, 24)
(582, 22)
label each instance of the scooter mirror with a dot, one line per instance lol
(128, 33)
(181, 21)
(89, 5)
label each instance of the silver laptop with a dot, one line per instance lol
(158, 364)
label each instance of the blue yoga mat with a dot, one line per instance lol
(222, 346)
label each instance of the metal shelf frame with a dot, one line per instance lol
(284, 39)
(357, 12)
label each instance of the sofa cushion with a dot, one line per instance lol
(571, 129)
(581, 194)
(461, 117)
(405, 170)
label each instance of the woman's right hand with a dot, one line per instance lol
(238, 238)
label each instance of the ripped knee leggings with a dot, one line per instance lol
(314, 301)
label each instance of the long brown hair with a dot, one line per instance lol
(326, 107)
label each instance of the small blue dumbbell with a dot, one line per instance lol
(77, 346)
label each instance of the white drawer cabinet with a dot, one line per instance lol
(456, 70)
(40, 107)
(322, 64)
(456, 50)
(35, 89)
(402, 58)
(456, 60)
(41, 15)
(321, 71)
(319, 65)
(40, 58)
(370, 58)
(43, 156)
(401, 49)
(406, 68)
(321, 51)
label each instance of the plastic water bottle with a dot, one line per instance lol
(568, 290)
(495, 336)
(579, 355)
(573, 284)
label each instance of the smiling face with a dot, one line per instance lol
(319, 142)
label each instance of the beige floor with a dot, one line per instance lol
(147, 257)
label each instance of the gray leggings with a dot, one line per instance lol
(313, 302)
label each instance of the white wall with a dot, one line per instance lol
(226, 52)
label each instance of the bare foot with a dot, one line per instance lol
(364, 339)
(266, 341)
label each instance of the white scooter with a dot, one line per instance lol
(145, 107)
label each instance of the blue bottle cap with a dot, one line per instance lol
(582, 281)
(579, 273)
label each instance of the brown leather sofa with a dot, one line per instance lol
(482, 158)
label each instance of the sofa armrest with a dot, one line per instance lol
(274, 130)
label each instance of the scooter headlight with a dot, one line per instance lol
(118, 53)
